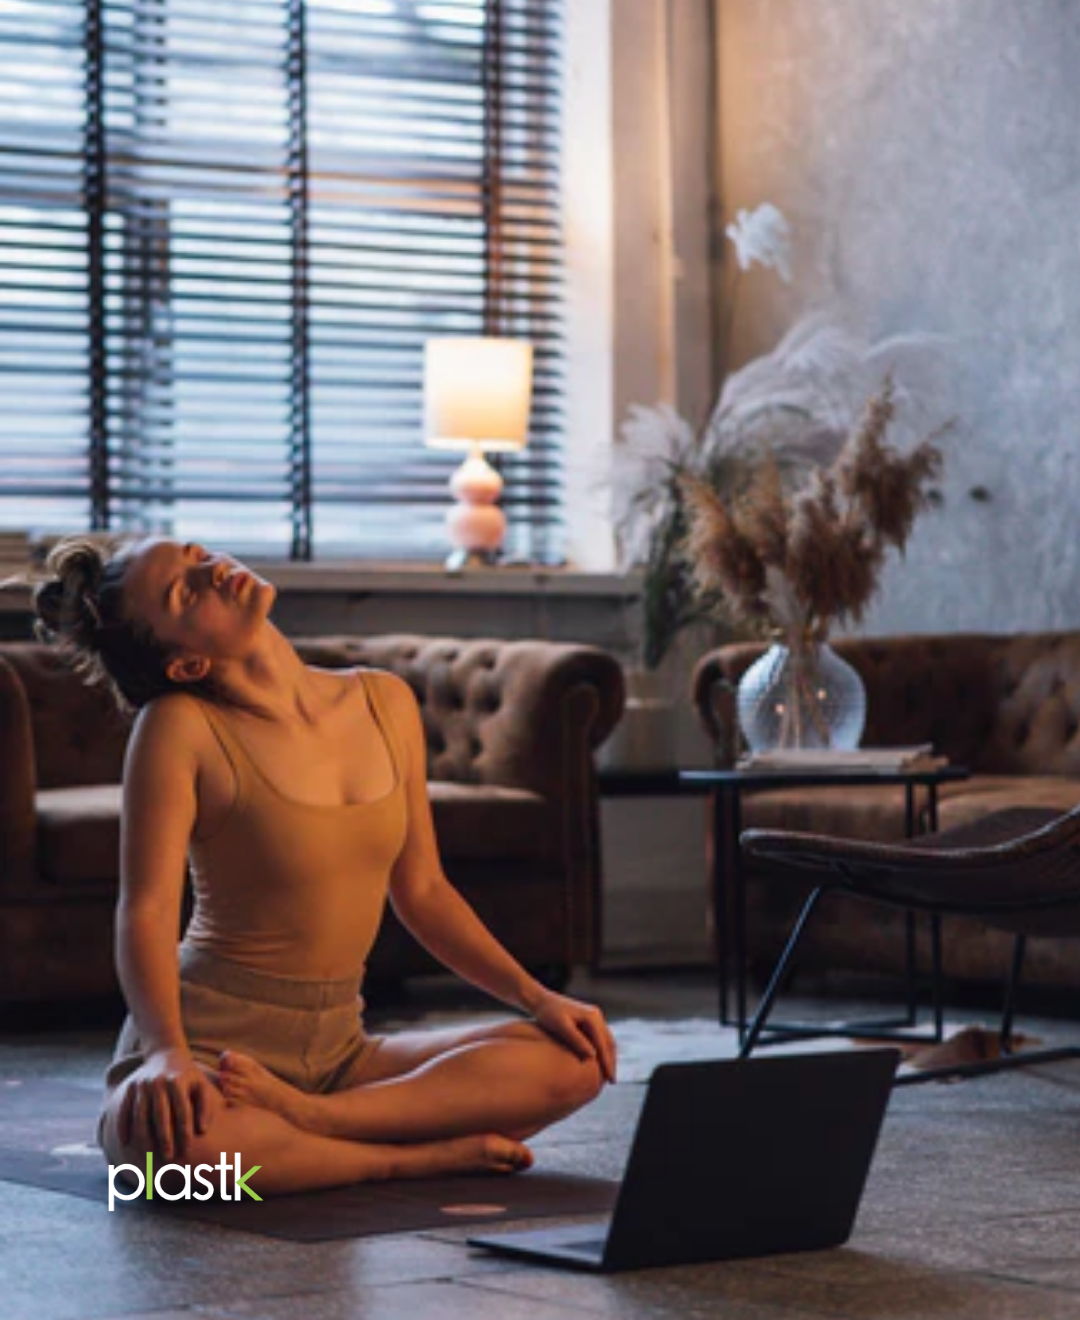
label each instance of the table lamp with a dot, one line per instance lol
(477, 396)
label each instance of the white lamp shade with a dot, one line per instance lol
(477, 393)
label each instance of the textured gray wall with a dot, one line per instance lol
(927, 153)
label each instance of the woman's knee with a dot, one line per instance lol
(571, 1080)
(574, 1081)
(225, 1125)
(115, 1150)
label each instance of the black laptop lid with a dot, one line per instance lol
(750, 1157)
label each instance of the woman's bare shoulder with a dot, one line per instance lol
(162, 770)
(172, 722)
(394, 689)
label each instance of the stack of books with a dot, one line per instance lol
(885, 760)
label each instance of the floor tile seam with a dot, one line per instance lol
(763, 1266)
(1024, 1281)
(354, 1294)
(496, 1283)
(838, 1300)
(920, 1275)
(225, 1311)
(943, 1232)
(195, 1275)
(1019, 1216)
(242, 1310)
(768, 1307)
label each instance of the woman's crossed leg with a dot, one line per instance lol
(511, 1078)
(291, 1159)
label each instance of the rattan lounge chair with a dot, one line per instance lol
(1017, 870)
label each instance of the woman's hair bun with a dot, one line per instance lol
(49, 604)
(66, 603)
(81, 608)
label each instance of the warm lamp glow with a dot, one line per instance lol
(477, 393)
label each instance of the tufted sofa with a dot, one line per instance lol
(1005, 706)
(511, 729)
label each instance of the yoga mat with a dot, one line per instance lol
(54, 1125)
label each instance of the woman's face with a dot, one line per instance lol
(195, 601)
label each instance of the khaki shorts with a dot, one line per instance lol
(310, 1033)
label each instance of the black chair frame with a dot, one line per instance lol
(1018, 870)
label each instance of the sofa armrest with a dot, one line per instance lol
(713, 685)
(18, 830)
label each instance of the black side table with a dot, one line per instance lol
(728, 886)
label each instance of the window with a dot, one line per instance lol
(226, 230)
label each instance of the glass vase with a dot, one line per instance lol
(801, 697)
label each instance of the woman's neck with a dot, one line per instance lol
(273, 683)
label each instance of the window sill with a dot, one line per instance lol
(363, 578)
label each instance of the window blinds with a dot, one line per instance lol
(226, 231)
(45, 432)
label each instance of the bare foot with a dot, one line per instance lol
(487, 1154)
(244, 1081)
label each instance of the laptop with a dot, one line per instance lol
(741, 1157)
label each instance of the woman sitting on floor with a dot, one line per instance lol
(299, 797)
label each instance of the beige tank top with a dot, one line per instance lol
(289, 887)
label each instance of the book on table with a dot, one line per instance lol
(885, 760)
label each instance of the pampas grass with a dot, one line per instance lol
(798, 404)
(803, 398)
(806, 560)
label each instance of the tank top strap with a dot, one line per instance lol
(385, 722)
(230, 745)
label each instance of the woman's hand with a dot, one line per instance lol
(167, 1101)
(579, 1026)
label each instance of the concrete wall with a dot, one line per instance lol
(927, 153)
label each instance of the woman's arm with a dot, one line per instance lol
(444, 923)
(170, 1095)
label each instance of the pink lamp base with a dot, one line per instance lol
(476, 524)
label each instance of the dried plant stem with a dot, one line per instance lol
(804, 708)
(806, 560)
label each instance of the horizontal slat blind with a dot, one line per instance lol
(44, 268)
(402, 219)
(199, 261)
(297, 193)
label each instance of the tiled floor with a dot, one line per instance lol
(972, 1210)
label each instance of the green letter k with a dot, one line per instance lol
(241, 1183)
